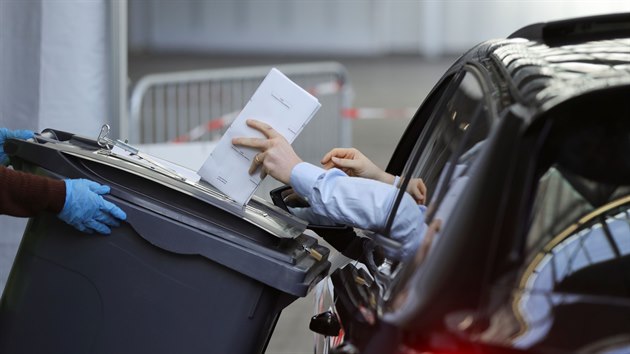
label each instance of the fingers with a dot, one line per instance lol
(346, 153)
(421, 190)
(23, 134)
(17, 134)
(326, 159)
(103, 220)
(81, 227)
(349, 167)
(256, 143)
(417, 189)
(95, 187)
(113, 210)
(99, 189)
(418, 196)
(98, 227)
(253, 168)
(341, 158)
(263, 173)
(263, 128)
(277, 154)
(256, 161)
(107, 219)
(347, 163)
(328, 165)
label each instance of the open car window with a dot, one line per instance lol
(445, 152)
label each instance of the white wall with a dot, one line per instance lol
(55, 72)
(54, 65)
(359, 27)
(469, 22)
(269, 26)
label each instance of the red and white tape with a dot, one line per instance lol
(214, 124)
(327, 88)
(377, 113)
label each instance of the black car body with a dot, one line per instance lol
(524, 145)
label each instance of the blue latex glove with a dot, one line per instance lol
(85, 208)
(11, 134)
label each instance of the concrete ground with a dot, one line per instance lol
(390, 82)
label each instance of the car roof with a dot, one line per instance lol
(546, 64)
(541, 67)
(543, 76)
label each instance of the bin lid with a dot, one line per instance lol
(258, 211)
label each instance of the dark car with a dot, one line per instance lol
(524, 146)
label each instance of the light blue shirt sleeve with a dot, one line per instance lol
(362, 203)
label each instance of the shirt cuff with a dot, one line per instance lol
(396, 181)
(303, 178)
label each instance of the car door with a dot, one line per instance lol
(561, 278)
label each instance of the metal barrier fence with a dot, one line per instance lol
(198, 105)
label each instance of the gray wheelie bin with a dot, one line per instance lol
(188, 272)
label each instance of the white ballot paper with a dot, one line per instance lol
(279, 102)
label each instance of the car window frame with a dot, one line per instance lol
(479, 73)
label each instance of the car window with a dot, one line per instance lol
(448, 147)
(579, 237)
(576, 243)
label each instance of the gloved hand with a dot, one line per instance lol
(85, 208)
(11, 134)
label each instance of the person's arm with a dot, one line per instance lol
(25, 195)
(78, 202)
(354, 163)
(360, 202)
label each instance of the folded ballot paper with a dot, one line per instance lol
(278, 102)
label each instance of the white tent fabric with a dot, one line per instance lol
(54, 65)
(53, 74)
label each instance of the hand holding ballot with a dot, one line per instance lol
(279, 103)
(276, 158)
